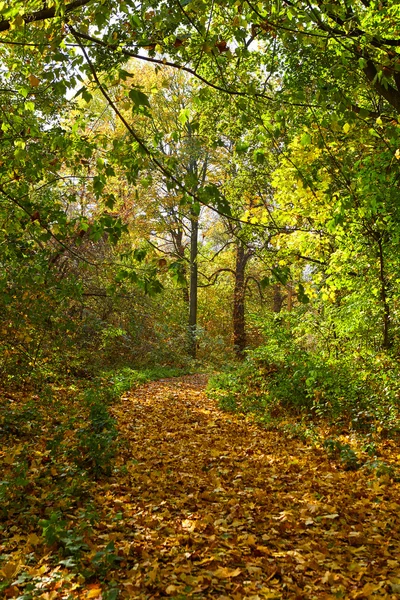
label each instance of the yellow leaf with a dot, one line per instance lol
(263, 549)
(43, 569)
(226, 573)
(171, 589)
(33, 539)
(49, 595)
(250, 540)
(10, 569)
(346, 128)
(95, 593)
(206, 560)
(17, 22)
(33, 80)
(369, 588)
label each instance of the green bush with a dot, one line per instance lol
(96, 449)
(19, 421)
(125, 379)
(282, 376)
(342, 452)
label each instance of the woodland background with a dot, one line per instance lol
(197, 186)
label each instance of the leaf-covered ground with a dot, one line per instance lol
(206, 504)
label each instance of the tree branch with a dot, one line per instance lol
(45, 13)
(216, 274)
(67, 248)
(390, 93)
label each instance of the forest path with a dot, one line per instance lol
(218, 508)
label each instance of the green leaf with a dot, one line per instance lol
(184, 116)
(24, 91)
(305, 139)
(210, 194)
(301, 295)
(281, 274)
(259, 156)
(87, 96)
(139, 98)
(140, 254)
(195, 208)
(265, 282)
(110, 201)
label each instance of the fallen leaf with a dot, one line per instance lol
(226, 573)
(94, 593)
(34, 539)
(10, 569)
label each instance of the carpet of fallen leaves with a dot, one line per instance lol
(207, 504)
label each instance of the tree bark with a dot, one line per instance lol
(194, 233)
(239, 323)
(180, 250)
(277, 299)
(386, 341)
(289, 288)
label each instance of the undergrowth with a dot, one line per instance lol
(302, 393)
(60, 443)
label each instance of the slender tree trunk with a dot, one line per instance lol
(194, 223)
(386, 341)
(277, 299)
(289, 288)
(239, 324)
(180, 250)
(194, 241)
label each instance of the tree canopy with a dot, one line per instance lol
(185, 186)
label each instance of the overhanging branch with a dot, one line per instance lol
(45, 13)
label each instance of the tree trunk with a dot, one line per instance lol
(277, 299)
(239, 324)
(194, 222)
(386, 341)
(289, 288)
(180, 250)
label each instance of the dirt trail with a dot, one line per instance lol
(214, 507)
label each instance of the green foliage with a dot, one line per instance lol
(105, 559)
(56, 533)
(96, 450)
(127, 378)
(281, 375)
(342, 452)
(19, 421)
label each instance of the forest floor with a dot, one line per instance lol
(207, 504)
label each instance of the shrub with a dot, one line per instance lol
(281, 376)
(97, 448)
